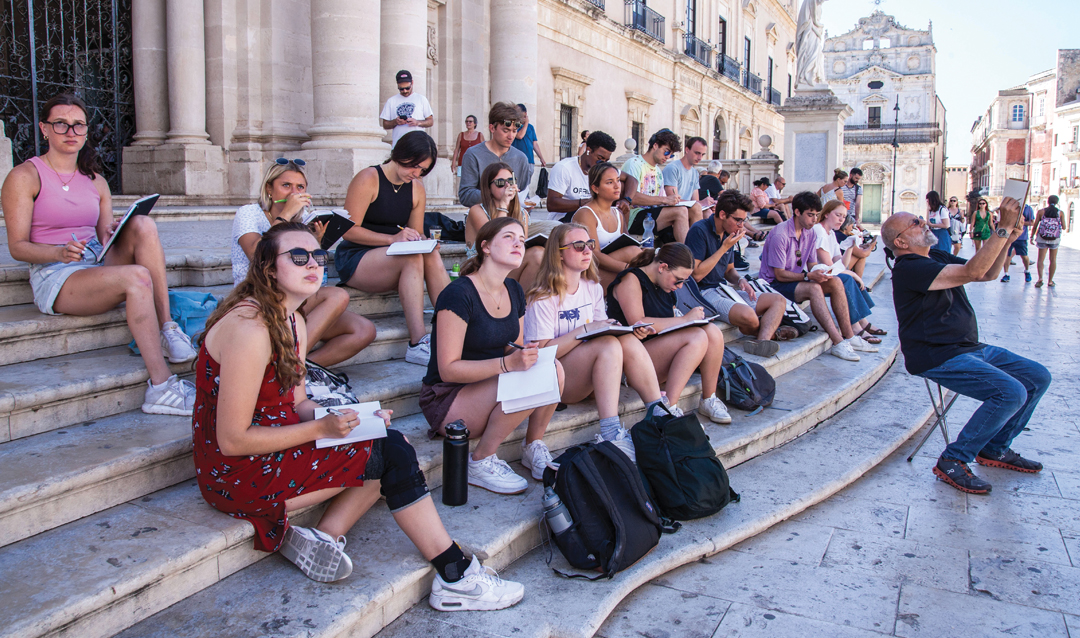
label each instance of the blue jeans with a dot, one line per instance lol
(859, 302)
(1009, 386)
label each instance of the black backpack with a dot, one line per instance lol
(681, 470)
(745, 385)
(614, 522)
(793, 314)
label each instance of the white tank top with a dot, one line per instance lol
(602, 235)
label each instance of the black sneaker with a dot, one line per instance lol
(957, 474)
(741, 264)
(1010, 461)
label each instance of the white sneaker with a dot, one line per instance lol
(535, 457)
(316, 553)
(674, 409)
(420, 353)
(715, 409)
(493, 474)
(176, 397)
(843, 350)
(480, 589)
(862, 345)
(175, 344)
(624, 442)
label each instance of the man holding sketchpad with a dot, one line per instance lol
(712, 241)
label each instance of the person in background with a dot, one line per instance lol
(645, 293)
(504, 121)
(525, 140)
(1020, 247)
(710, 183)
(387, 203)
(643, 190)
(58, 212)
(853, 192)
(500, 199)
(982, 224)
(855, 253)
(859, 302)
(780, 204)
(1045, 238)
(833, 190)
(471, 337)
(681, 178)
(605, 223)
(466, 139)
(581, 147)
(406, 111)
(762, 204)
(939, 221)
(957, 226)
(568, 183)
(283, 198)
(567, 302)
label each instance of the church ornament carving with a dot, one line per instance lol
(432, 49)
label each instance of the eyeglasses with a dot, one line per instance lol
(61, 128)
(404, 89)
(510, 124)
(281, 161)
(301, 257)
(580, 246)
(738, 220)
(503, 182)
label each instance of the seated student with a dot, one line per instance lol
(855, 254)
(645, 293)
(599, 215)
(762, 202)
(471, 333)
(283, 198)
(568, 185)
(643, 189)
(681, 178)
(387, 204)
(58, 211)
(254, 437)
(499, 198)
(504, 121)
(712, 241)
(828, 252)
(568, 301)
(787, 259)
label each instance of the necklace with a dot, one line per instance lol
(63, 184)
(497, 300)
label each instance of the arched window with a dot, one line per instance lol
(1018, 113)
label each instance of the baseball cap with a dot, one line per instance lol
(403, 76)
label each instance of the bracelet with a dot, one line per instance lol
(502, 363)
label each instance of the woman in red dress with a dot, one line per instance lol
(254, 437)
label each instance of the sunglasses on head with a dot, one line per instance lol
(580, 246)
(503, 182)
(301, 257)
(511, 124)
(281, 161)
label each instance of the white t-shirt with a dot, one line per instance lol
(771, 192)
(941, 216)
(827, 240)
(548, 319)
(249, 219)
(415, 106)
(566, 178)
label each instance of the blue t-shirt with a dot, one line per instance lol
(1029, 216)
(703, 241)
(525, 144)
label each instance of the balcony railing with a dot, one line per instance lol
(728, 67)
(699, 50)
(887, 126)
(644, 19)
(774, 97)
(599, 4)
(752, 83)
(884, 136)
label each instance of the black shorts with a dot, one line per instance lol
(786, 288)
(347, 257)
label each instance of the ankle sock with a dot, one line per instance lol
(658, 408)
(609, 427)
(451, 564)
(160, 386)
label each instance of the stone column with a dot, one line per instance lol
(346, 135)
(150, 71)
(813, 138)
(187, 72)
(514, 43)
(404, 46)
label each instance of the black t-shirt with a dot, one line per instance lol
(485, 336)
(709, 186)
(935, 325)
(654, 301)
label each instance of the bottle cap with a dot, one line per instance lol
(456, 430)
(551, 499)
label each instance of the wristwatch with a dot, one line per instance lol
(805, 276)
(1002, 233)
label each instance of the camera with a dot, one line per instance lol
(868, 237)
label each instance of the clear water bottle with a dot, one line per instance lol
(555, 513)
(455, 467)
(647, 240)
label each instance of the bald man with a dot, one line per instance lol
(939, 337)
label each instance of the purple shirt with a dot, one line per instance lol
(780, 250)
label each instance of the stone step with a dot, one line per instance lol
(499, 529)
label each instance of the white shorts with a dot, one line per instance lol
(724, 303)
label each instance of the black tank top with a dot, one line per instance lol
(392, 208)
(654, 301)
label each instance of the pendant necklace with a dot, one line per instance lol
(498, 302)
(63, 184)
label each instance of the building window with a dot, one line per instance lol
(637, 132)
(873, 119)
(770, 76)
(1042, 105)
(691, 17)
(566, 132)
(1018, 113)
(868, 44)
(722, 38)
(746, 54)
(789, 85)
(1076, 134)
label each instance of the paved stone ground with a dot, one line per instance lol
(900, 553)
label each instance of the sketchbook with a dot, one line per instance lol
(527, 389)
(695, 322)
(140, 207)
(418, 247)
(337, 224)
(371, 425)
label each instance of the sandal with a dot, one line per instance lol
(1051, 284)
(786, 333)
(868, 338)
(1038, 284)
(874, 330)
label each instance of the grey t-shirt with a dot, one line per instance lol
(477, 159)
(685, 180)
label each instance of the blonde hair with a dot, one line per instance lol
(550, 280)
(273, 172)
(829, 207)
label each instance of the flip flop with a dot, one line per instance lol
(1038, 284)
(1051, 284)
(874, 330)
(868, 338)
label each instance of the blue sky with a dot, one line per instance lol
(982, 47)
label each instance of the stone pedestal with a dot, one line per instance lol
(440, 185)
(764, 163)
(813, 138)
(174, 169)
(5, 154)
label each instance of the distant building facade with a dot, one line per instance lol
(956, 184)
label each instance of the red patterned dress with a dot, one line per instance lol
(255, 488)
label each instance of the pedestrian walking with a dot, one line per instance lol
(1049, 225)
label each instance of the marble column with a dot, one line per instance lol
(514, 43)
(150, 71)
(404, 46)
(187, 72)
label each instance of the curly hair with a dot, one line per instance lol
(550, 280)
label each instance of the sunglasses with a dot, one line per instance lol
(404, 89)
(798, 258)
(580, 246)
(301, 257)
(503, 182)
(669, 153)
(510, 124)
(281, 161)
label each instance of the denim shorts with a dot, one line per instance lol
(46, 280)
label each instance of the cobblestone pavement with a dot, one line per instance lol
(900, 553)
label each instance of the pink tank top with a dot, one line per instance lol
(58, 213)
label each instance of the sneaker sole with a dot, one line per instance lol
(1002, 464)
(191, 358)
(945, 478)
(845, 358)
(721, 421)
(455, 603)
(153, 408)
(416, 360)
(761, 348)
(317, 564)
(500, 491)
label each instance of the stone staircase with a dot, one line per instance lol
(103, 531)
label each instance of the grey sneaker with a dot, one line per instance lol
(420, 353)
(317, 554)
(175, 344)
(760, 348)
(175, 397)
(480, 589)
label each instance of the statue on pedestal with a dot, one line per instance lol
(809, 47)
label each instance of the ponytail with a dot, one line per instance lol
(675, 255)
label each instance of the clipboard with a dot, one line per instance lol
(140, 207)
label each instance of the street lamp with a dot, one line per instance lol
(895, 146)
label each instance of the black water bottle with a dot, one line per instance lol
(455, 468)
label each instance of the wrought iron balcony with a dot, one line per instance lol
(752, 83)
(644, 19)
(774, 97)
(884, 136)
(728, 67)
(599, 4)
(699, 50)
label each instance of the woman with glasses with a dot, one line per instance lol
(58, 211)
(283, 198)
(476, 336)
(255, 437)
(387, 205)
(499, 198)
(645, 293)
(601, 214)
(982, 224)
(466, 139)
(566, 304)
